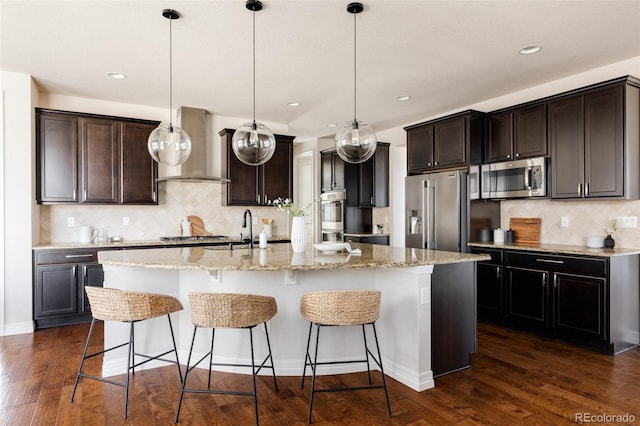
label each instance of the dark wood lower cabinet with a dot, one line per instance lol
(489, 292)
(59, 278)
(591, 301)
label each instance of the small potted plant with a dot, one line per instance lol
(379, 228)
(609, 242)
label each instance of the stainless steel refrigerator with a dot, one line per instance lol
(437, 206)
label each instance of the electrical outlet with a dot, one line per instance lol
(255, 220)
(627, 222)
(71, 222)
(386, 219)
(125, 221)
(564, 221)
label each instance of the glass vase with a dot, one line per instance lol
(298, 234)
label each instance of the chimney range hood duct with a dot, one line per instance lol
(193, 121)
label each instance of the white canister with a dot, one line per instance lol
(262, 240)
(268, 230)
(86, 234)
(498, 236)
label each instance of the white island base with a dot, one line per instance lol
(404, 326)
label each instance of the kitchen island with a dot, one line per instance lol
(427, 296)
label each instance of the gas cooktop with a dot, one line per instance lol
(195, 238)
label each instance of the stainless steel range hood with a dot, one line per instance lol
(193, 121)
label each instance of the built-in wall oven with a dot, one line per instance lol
(332, 213)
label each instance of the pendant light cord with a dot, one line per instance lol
(355, 80)
(170, 76)
(254, 68)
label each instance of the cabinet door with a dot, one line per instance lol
(603, 143)
(580, 307)
(499, 143)
(530, 138)
(138, 169)
(381, 176)
(420, 149)
(366, 182)
(100, 165)
(339, 172)
(57, 158)
(277, 173)
(527, 299)
(566, 134)
(91, 275)
(326, 170)
(489, 291)
(450, 147)
(243, 188)
(56, 290)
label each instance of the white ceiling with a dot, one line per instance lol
(444, 54)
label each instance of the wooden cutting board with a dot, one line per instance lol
(527, 229)
(197, 226)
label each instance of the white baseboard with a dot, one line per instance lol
(18, 328)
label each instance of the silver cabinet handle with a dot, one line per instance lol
(560, 262)
(586, 189)
(555, 281)
(74, 256)
(544, 279)
(517, 155)
(497, 272)
(508, 155)
(579, 189)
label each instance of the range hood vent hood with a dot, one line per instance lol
(193, 121)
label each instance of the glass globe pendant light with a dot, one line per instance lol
(169, 144)
(355, 142)
(253, 143)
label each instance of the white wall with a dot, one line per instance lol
(19, 95)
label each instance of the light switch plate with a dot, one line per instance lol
(627, 222)
(564, 221)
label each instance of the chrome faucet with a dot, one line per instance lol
(244, 225)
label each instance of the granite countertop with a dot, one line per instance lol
(562, 249)
(156, 242)
(277, 257)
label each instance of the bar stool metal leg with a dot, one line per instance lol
(84, 357)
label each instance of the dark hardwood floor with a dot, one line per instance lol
(516, 379)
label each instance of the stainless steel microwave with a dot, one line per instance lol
(514, 179)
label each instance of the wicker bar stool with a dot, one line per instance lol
(341, 308)
(229, 310)
(108, 304)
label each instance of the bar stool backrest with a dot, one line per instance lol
(110, 304)
(230, 310)
(351, 307)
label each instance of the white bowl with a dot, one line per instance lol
(329, 247)
(594, 241)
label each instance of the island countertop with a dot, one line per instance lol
(280, 257)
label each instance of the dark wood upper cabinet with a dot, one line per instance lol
(332, 171)
(530, 133)
(138, 169)
(595, 144)
(93, 159)
(257, 185)
(451, 142)
(516, 134)
(373, 180)
(366, 184)
(499, 139)
(100, 165)
(57, 158)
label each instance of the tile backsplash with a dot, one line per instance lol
(177, 199)
(585, 218)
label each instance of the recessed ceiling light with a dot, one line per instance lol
(530, 50)
(403, 98)
(294, 104)
(116, 75)
(331, 125)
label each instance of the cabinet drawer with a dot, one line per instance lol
(571, 264)
(66, 256)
